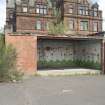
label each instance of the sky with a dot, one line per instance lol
(3, 11)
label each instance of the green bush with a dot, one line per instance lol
(56, 29)
(8, 69)
(69, 63)
(87, 64)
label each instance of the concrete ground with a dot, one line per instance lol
(68, 72)
(73, 90)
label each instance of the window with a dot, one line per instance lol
(84, 25)
(25, 9)
(38, 25)
(86, 11)
(41, 25)
(41, 9)
(79, 1)
(95, 26)
(71, 25)
(70, 9)
(95, 12)
(83, 10)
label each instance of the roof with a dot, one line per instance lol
(95, 36)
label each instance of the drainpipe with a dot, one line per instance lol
(103, 56)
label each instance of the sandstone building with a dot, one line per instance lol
(27, 27)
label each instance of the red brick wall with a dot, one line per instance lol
(26, 47)
(27, 24)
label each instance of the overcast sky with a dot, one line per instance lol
(3, 11)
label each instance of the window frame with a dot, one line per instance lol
(95, 26)
(83, 10)
(38, 25)
(84, 25)
(43, 25)
(73, 25)
(24, 7)
(70, 8)
(41, 8)
(95, 12)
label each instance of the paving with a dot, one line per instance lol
(61, 90)
(68, 72)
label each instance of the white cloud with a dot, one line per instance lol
(102, 7)
(2, 12)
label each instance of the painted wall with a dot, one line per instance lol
(88, 50)
(55, 50)
(69, 50)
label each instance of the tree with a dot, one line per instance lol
(58, 10)
(56, 26)
(56, 29)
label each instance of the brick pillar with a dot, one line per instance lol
(26, 48)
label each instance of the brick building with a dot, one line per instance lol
(27, 28)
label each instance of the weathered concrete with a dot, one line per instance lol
(69, 50)
(55, 50)
(68, 72)
(88, 90)
(88, 50)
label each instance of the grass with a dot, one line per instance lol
(69, 63)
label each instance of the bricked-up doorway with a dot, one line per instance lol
(26, 48)
(69, 52)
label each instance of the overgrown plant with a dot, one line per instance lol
(56, 29)
(56, 26)
(8, 69)
(69, 63)
(58, 9)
